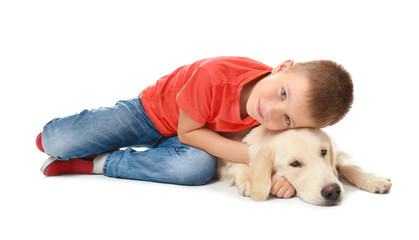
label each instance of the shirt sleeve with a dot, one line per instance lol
(195, 96)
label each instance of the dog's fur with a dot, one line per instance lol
(316, 160)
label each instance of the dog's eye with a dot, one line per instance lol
(295, 164)
(324, 152)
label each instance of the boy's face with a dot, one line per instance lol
(278, 101)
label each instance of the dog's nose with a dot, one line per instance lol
(331, 192)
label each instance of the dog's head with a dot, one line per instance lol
(305, 157)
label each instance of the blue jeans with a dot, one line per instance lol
(127, 125)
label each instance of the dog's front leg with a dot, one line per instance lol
(243, 179)
(261, 169)
(360, 178)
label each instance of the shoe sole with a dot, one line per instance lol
(46, 163)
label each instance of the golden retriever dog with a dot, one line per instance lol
(308, 158)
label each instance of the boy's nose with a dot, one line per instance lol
(273, 110)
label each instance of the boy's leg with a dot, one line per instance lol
(169, 162)
(100, 130)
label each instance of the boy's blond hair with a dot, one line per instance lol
(331, 90)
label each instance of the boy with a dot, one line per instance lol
(184, 120)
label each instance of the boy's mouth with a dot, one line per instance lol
(259, 110)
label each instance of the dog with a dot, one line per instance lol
(307, 157)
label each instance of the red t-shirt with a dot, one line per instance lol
(208, 91)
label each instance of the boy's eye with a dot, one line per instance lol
(283, 94)
(287, 120)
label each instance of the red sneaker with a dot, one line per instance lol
(38, 142)
(53, 166)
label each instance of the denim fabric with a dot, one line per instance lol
(127, 125)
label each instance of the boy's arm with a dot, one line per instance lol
(197, 135)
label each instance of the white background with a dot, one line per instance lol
(60, 57)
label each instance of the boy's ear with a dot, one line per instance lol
(283, 66)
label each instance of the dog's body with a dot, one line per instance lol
(306, 157)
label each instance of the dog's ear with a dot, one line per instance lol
(333, 157)
(261, 169)
(339, 158)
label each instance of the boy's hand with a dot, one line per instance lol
(281, 187)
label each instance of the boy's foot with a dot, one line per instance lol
(53, 166)
(38, 142)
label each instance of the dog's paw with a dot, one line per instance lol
(376, 184)
(243, 188)
(259, 193)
